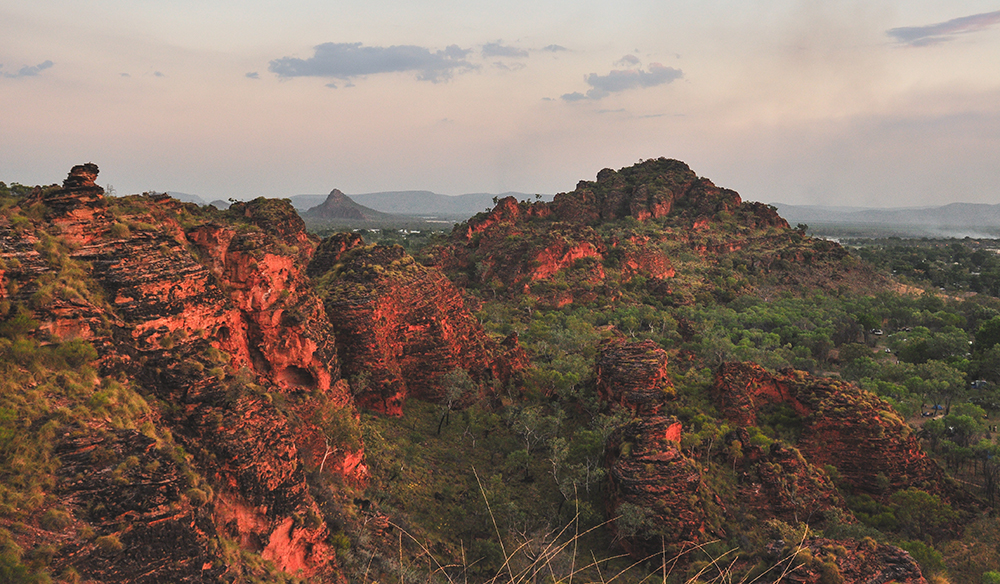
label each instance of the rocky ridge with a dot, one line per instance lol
(248, 347)
(641, 223)
(212, 316)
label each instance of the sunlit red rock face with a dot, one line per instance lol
(215, 318)
(78, 201)
(853, 430)
(402, 326)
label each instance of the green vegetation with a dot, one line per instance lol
(951, 264)
(914, 351)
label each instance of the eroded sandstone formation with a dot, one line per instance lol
(656, 491)
(631, 225)
(778, 482)
(214, 319)
(841, 425)
(402, 326)
(820, 560)
(634, 375)
(121, 477)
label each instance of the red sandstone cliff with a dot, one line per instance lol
(215, 320)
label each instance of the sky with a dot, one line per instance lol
(866, 103)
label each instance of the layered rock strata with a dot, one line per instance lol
(402, 326)
(859, 434)
(214, 318)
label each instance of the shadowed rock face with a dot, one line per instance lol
(649, 475)
(634, 375)
(841, 425)
(648, 190)
(856, 561)
(659, 491)
(403, 326)
(779, 482)
(168, 535)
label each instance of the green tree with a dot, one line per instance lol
(920, 513)
(988, 335)
(456, 385)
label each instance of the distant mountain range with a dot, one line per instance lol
(954, 220)
(421, 203)
(975, 220)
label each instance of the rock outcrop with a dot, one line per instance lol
(401, 326)
(150, 523)
(871, 447)
(634, 375)
(661, 495)
(648, 190)
(632, 226)
(213, 314)
(656, 491)
(778, 482)
(821, 560)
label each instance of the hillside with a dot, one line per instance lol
(656, 224)
(645, 377)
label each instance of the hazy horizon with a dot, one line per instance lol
(866, 104)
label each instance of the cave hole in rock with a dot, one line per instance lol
(296, 377)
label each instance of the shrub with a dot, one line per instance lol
(197, 496)
(120, 231)
(55, 520)
(829, 573)
(18, 325)
(109, 543)
(76, 353)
